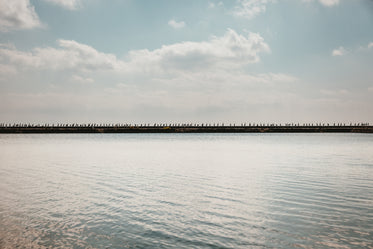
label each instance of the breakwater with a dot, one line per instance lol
(188, 128)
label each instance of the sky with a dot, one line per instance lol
(177, 61)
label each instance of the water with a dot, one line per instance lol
(186, 191)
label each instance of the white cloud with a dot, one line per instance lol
(370, 45)
(328, 3)
(7, 46)
(188, 80)
(337, 92)
(201, 66)
(212, 5)
(230, 50)
(69, 55)
(68, 4)
(250, 8)
(339, 51)
(176, 25)
(17, 14)
(198, 67)
(219, 59)
(81, 79)
(7, 70)
(279, 77)
(21, 14)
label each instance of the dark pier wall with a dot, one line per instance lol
(186, 129)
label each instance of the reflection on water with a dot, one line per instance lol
(186, 190)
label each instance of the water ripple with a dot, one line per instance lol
(190, 191)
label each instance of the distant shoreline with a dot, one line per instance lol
(186, 129)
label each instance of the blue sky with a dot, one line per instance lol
(186, 61)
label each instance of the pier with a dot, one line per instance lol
(186, 128)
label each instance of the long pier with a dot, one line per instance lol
(187, 128)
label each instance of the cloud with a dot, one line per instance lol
(370, 45)
(212, 5)
(230, 50)
(21, 14)
(217, 61)
(6, 70)
(338, 92)
(69, 55)
(328, 3)
(81, 79)
(68, 4)
(208, 64)
(279, 77)
(176, 25)
(7, 45)
(188, 80)
(17, 14)
(250, 8)
(339, 51)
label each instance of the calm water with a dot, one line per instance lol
(186, 191)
